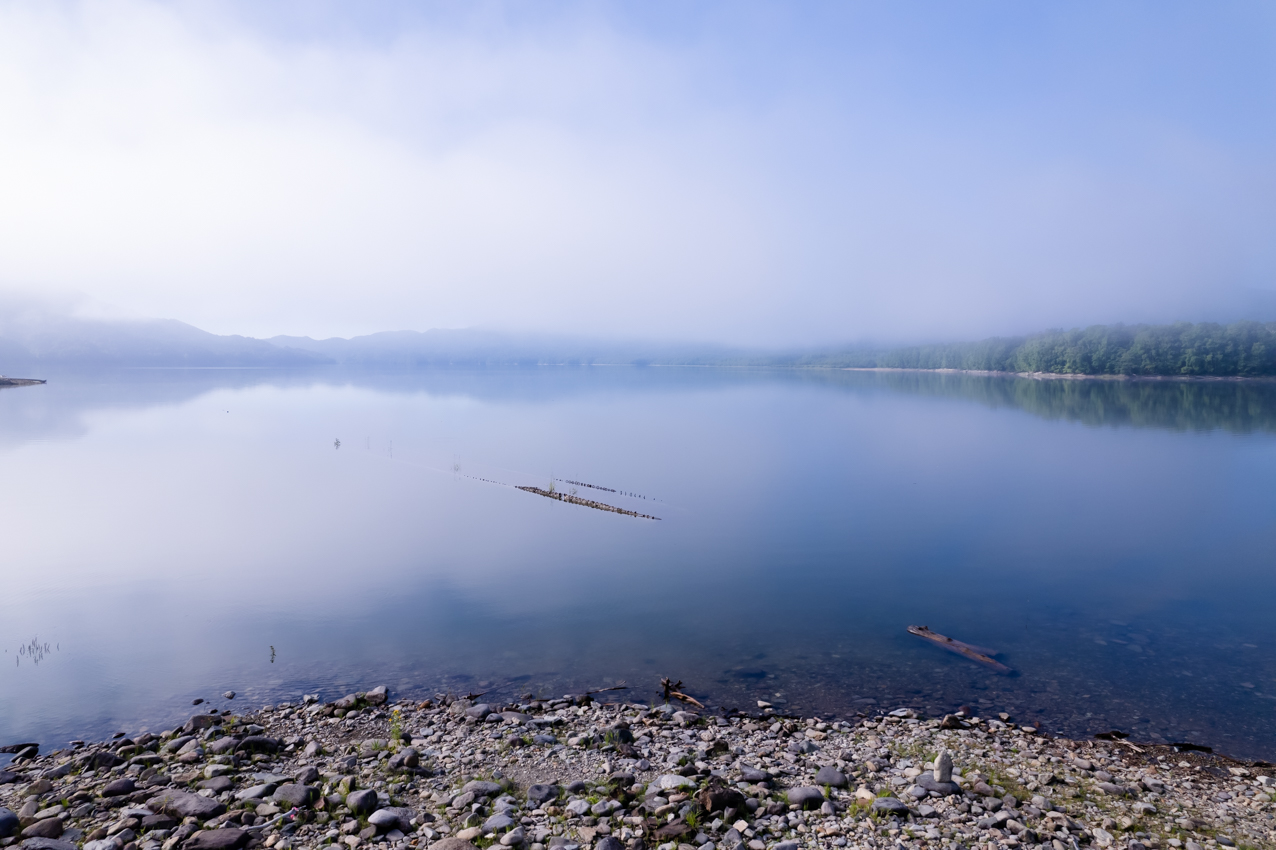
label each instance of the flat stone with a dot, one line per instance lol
(292, 795)
(218, 784)
(753, 774)
(497, 822)
(181, 804)
(308, 775)
(177, 743)
(229, 838)
(672, 781)
(481, 711)
(47, 844)
(517, 836)
(829, 775)
(890, 805)
(805, 796)
(198, 722)
(934, 786)
(103, 844)
(452, 844)
(46, 828)
(479, 788)
(256, 792)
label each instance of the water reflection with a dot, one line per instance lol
(58, 410)
(176, 524)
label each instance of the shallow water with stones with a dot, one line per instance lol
(173, 534)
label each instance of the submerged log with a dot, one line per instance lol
(588, 503)
(963, 649)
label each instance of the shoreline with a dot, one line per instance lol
(454, 773)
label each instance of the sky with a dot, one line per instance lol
(773, 174)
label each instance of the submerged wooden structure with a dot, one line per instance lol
(588, 503)
(19, 382)
(974, 653)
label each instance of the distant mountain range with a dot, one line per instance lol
(32, 338)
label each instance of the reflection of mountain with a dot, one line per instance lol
(57, 410)
(479, 348)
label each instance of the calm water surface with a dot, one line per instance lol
(170, 535)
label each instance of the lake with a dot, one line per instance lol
(173, 534)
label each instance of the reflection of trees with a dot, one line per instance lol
(1240, 407)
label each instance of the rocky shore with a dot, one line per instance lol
(368, 772)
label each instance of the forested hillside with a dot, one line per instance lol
(1243, 349)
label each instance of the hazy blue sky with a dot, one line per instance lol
(767, 172)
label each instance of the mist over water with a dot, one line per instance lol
(173, 534)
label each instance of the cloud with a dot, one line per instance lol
(736, 177)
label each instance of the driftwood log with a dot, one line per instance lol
(672, 689)
(974, 653)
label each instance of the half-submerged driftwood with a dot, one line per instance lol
(977, 654)
(671, 689)
(19, 382)
(588, 503)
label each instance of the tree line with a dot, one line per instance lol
(1240, 349)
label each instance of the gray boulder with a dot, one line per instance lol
(362, 802)
(481, 789)
(292, 795)
(8, 822)
(45, 828)
(829, 775)
(47, 844)
(392, 818)
(497, 822)
(377, 696)
(182, 804)
(539, 795)
(806, 796)
(217, 839)
(119, 787)
(256, 792)
(890, 806)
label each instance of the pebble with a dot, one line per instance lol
(630, 773)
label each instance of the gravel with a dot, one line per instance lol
(368, 772)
